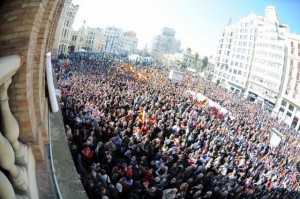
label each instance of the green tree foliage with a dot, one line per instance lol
(204, 63)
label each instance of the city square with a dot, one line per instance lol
(149, 99)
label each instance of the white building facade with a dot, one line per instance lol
(129, 43)
(267, 74)
(254, 65)
(112, 40)
(235, 53)
(289, 110)
(63, 30)
(166, 42)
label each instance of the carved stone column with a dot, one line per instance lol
(15, 157)
(17, 175)
(6, 190)
(10, 127)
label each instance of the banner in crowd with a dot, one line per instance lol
(276, 137)
(176, 76)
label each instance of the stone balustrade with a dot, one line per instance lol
(17, 163)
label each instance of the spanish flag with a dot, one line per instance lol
(138, 76)
(147, 78)
(142, 115)
(202, 104)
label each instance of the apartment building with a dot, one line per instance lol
(64, 28)
(289, 110)
(166, 42)
(251, 59)
(89, 39)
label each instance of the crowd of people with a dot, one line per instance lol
(151, 139)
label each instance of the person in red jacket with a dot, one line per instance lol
(88, 153)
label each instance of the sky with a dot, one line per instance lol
(198, 23)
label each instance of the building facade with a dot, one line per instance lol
(289, 110)
(259, 59)
(185, 59)
(89, 39)
(64, 28)
(112, 40)
(251, 60)
(268, 67)
(235, 54)
(166, 42)
(129, 43)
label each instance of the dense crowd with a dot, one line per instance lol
(151, 139)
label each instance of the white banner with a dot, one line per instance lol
(276, 138)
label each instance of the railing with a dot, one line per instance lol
(17, 164)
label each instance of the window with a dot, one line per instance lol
(283, 103)
(291, 108)
(295, 95)
(291, 73)
(291, 63)
(286, 91)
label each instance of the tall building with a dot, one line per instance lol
(251, 58)
(166, 42)
(64, 28)
(268, 67)
(89, 39)
(235, 53)
(112, 39)
(129, 43)
(289, 110)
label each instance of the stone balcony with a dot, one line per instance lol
(21, 175)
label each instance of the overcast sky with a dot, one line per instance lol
(198, 23)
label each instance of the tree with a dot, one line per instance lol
(196, 60)
(204, 63)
